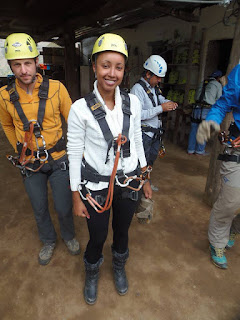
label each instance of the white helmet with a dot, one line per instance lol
(157, 65)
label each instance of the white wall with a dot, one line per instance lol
(164, 29)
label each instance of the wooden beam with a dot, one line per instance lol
(71, 67)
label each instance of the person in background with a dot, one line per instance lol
(104, 148)
(30, 114)
(224, 225)
(206, 95)
(153, 104)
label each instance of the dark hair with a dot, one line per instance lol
(144, 73)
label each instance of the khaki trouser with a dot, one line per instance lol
(226, 206)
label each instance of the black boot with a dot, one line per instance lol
(120, 278)
(91, 280)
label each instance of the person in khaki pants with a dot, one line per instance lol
(224, 225)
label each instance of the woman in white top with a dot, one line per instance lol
(95, 125)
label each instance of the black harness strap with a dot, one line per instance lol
(90, 174)
(14, 98)
(148, 92)
(43, 95)
(126, 122)
(59, 146)
(100, 115)
(229, 157)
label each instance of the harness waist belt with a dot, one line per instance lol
(151, 129)
(90, 174)
(229, 157)
(59, 146)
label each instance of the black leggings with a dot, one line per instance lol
(123, 210)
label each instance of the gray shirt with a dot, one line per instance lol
(149, 113)
(213, 91)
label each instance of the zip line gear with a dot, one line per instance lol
(228, 141)
(99, 114)
(110, 42)
(157, 65)
(120, 140)
(43, 96)
(92, 201)
(20, 46)
(149, 93)
(32, 127)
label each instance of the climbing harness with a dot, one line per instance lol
(32, 128)
(230, 143)
(158, 132)
(200, 105)
(120, 140)
(121, 146)
(99, 114)
(149, 93)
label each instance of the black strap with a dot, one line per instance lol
(233, 130)
(14, 98)
(229, 157)
(59, 146)
(150, 129)
(148, 91)
(158, 92)
(126, 122)
(100, 115)
(43, 95)
(90, 174)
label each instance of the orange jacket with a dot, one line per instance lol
(58, 102)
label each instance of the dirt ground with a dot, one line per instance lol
(169, 270)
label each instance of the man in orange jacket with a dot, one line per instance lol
(30, 114)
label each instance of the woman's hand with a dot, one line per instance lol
(79, 208)
(147, 190)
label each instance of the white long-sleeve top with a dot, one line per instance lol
(149, 113)
(85, 137)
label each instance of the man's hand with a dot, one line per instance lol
(169, 106)
(204, 130)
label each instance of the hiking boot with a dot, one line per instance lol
(91, 280)
(154, 188)
(120, 279)
(231, 241)
(46, 253)
(218, 258)
(73, 246)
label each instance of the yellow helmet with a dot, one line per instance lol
(20, 46)
(110, 42)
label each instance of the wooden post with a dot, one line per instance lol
(71, 67)
(213, 180)
(189, 66)
(202, 60)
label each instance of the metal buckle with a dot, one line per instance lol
(38, 155)
(133, 195)
(63, 166)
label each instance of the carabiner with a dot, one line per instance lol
(40, 159)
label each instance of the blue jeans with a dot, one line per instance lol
(193, 145)
(36, 185)
(151, 148)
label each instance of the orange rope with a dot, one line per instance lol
(120, 140)
(27, 141)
